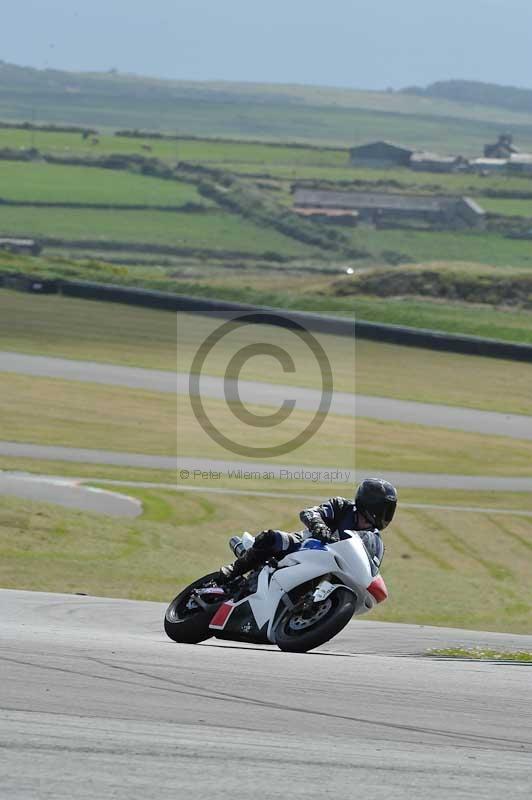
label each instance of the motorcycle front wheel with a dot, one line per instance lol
(185, 624)
(305, 628)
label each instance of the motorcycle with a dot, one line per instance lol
(297, 602)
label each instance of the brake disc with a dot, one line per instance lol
(299, 622)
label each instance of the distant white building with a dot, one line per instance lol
(24, 246)
(432, 162)
(520, 162)
(485, 165)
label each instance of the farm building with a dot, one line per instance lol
(340, 216)
(502, 148)
(24, 246)
(488, 165)
(380, 154)
(521, 163)
(431, 162)
(378, 207)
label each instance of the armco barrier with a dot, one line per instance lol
(27, 283)
(393, 334)
(448, 342)
(120, 294)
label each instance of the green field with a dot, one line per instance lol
(213, 230)
(277, 161)
(509, 325)
(507, 208)
(230, 232)
(218, 230)
(241, 157)
(52, 183)
(422, 246)
(209, 151)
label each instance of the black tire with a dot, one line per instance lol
(189, 627)
(334, 617)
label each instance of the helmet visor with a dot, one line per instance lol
(387, 514)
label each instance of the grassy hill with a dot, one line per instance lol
(477, 93)
(245, 110)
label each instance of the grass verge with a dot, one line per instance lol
(483, 654)
(87, 330)
(56, 412)
(450, 317)
(71, 469)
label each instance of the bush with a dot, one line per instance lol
(496, 287)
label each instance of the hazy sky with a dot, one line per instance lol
(369, 44)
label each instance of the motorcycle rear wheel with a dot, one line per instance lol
(298, 633)
(186, 626)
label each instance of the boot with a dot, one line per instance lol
(251, 559)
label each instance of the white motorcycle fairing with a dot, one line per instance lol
(342, 564)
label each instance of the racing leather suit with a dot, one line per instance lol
(327, 522)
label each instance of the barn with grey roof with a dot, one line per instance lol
(380, 154)
(380, 207)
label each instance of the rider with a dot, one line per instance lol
(371, 511)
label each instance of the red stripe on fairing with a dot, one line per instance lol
(378, 589)
(221, 616)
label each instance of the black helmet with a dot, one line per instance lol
(377, 500)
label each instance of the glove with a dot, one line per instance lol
(320, 530)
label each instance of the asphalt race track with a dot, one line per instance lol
(253, 392)
(97, 703)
